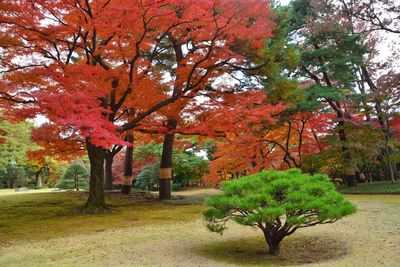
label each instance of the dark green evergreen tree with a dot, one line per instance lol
(75, 177)
(147, 178)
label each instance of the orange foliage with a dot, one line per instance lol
(252, 136)
(55, 143)
(86, 63)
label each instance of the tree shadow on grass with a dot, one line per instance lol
(294, 250)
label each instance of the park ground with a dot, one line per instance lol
(45, 228)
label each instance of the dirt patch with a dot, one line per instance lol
(294, 250)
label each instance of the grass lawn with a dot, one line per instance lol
(47, 230)
(373, 188)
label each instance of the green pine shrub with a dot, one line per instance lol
(148, 177)
(277, 202)
(75, 177)
(176, 186)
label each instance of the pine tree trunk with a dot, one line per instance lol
(109, 174)
(96, 201)
(274, 249)
(166, 162)
(273, 240)
(128, 167)
(349, 168)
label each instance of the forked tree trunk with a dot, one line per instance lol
(166, 162)
(96, 201)
(109, 178)
(128, 167)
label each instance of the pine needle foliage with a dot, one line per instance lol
(277, 202)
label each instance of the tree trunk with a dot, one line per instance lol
(274, 249)
(128, 168)
(39, 182)
(166, 162)
(392, 166)
(76, 179)
(384, 166)
(273, 240)
(96, 202)
(109, 176)
(12, 181)
(349, 168)
(383, 120)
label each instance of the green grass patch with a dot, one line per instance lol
(384, 198)
(298, 249)
(373, 188)
(49, 215)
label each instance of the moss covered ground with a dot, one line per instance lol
(373, 188)
(55, 214)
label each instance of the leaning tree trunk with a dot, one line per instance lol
(96, 201)
(128, 167)
(109, 177)
(166, 162)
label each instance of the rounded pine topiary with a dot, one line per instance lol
(277, 202)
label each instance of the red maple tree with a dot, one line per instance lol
(84, 64)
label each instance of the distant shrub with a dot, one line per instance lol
(176, 186)
(148, 177)
(75, 177)
(277, 202)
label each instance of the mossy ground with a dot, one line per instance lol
(373, 188)
(48, 230)
(51, 215)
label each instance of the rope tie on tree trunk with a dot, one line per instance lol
(165, 173)
(127, 180)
